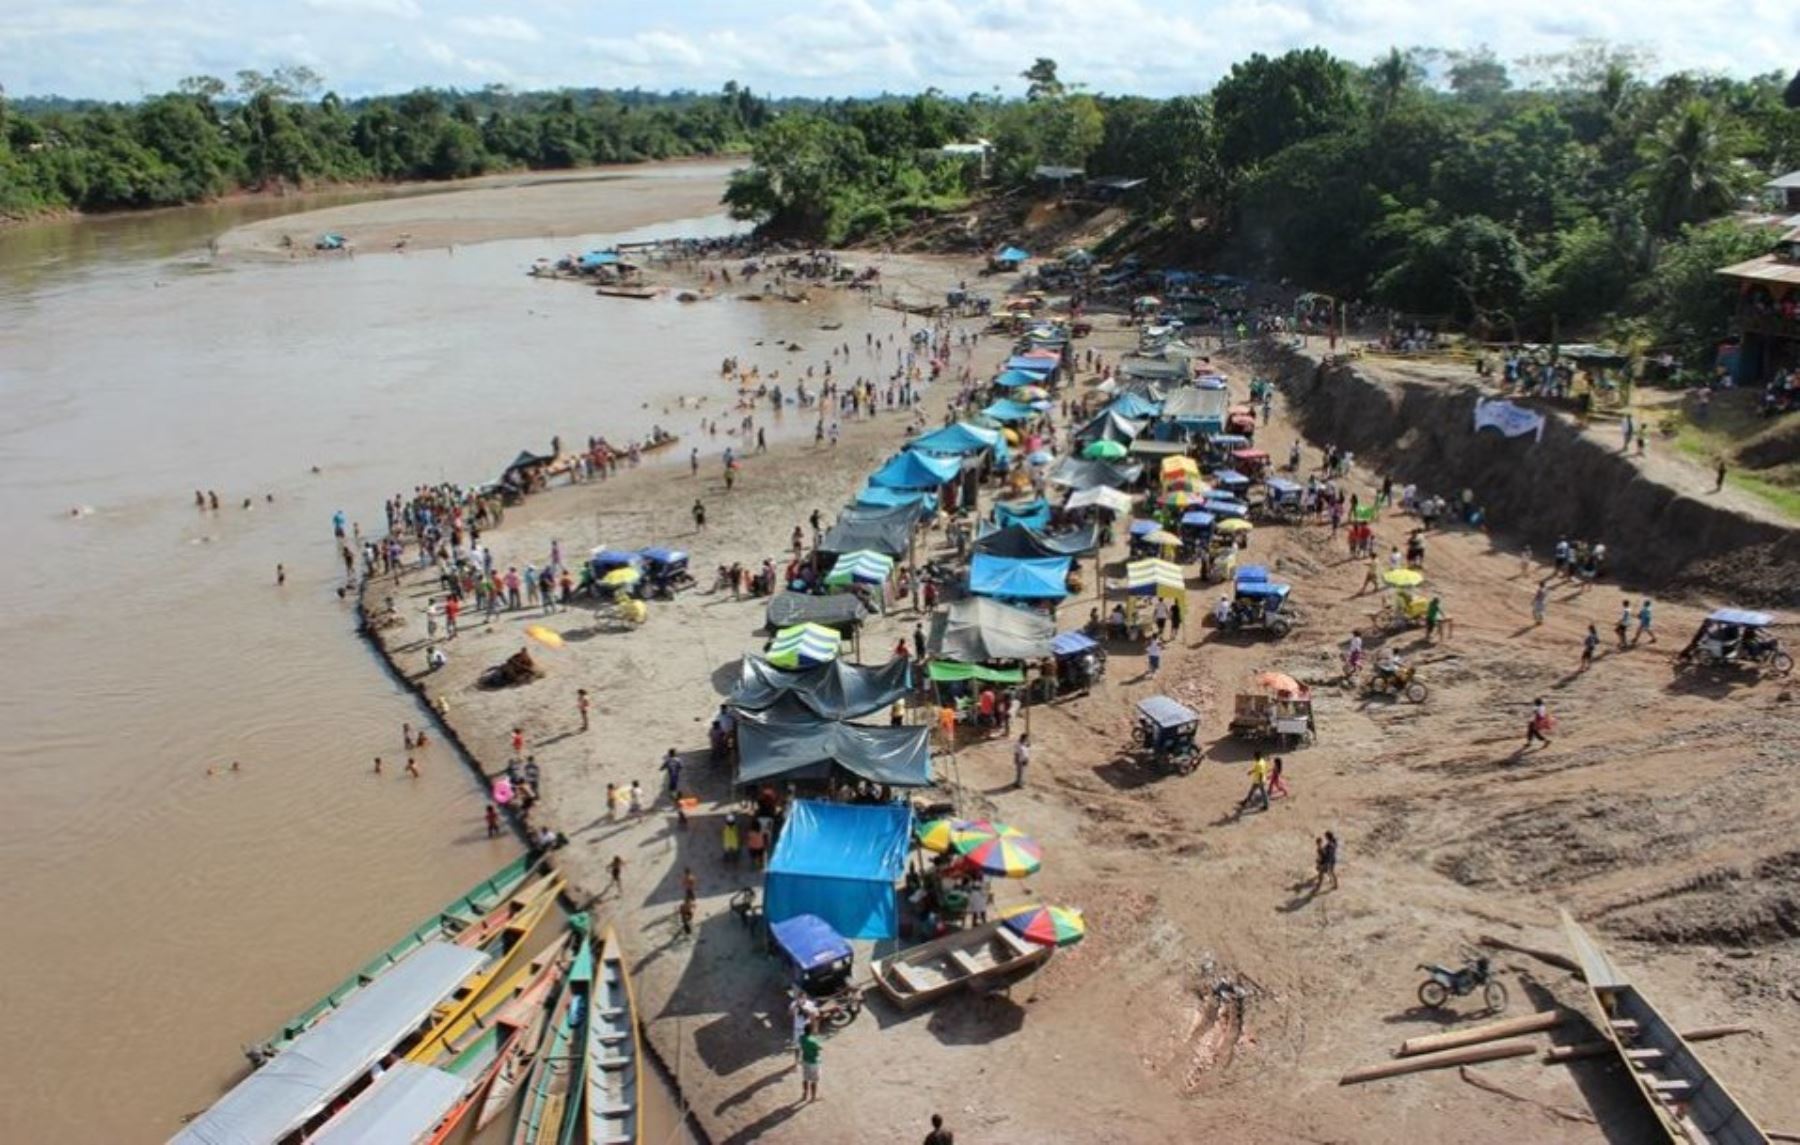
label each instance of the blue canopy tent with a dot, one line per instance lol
(1008, 410)
(1008, 379)
(1033, 514)
(1015, 578)
(910, 470)
(881, 497)
(840, 861)
(957, 440)
(1039, 368)
(1197, 519)
(1134, 406)
(1072, 644)
(1010, 256)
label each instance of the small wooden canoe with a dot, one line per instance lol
(547, 1092)
(614, 1057)
(457, 1015)
(983, 954)
(515, 1060)
(627, 291)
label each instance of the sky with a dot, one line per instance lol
(122, 49)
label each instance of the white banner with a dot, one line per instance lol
(1509, 419)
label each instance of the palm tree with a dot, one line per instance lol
(1689, 170)
(1390, 77)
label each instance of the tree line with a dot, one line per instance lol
(1514, 197)
(209, 138)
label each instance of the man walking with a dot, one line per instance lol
(1540, 718)
(1643, 624)
(1021, 758)
(1719, 473)
(1540, 600)
(1154, 653)
(1325, 857)
(1622, 629)
(581, 705)
(671, 767)
(809, 1066)
(1259, 784)
(1589, 645)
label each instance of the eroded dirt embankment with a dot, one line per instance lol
(1536, 492)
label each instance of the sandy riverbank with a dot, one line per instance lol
(1448, 832)
(540, 204)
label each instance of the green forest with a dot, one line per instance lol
(1565, 189)
(209, 138)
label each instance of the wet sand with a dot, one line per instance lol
(1124, 1037)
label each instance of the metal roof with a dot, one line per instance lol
(1768, 268)
(403, 1105)
(289, 1091)
(1789, 181)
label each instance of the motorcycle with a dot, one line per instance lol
(1475, 974)
(1403, 684)
(840, 1009)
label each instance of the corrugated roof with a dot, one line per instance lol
(1791, 180)
(1768, 268)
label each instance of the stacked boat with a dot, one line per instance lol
(440, 1034)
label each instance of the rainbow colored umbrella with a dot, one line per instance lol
(1045, 925)
(937, 834)
(997, 848)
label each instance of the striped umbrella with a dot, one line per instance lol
(997, 848)
(1045, 925)
(804, 646)
(938, 834)
(865, 566)
(1151, 576)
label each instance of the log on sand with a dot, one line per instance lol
(1582, 1050)
(1490, 1031)
(1468, 1055)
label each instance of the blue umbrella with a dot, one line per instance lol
(1041, 457)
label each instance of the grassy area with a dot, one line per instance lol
(1731, 423)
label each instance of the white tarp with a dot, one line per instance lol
(1511, 420)
(405, 1104)
(283, 1095)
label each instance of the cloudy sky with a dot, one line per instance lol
(125, 48)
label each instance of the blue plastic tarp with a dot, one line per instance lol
(1252, 574)
(1032, 514)
(1222, 508)
(1010, 578)
(809, 941)
(1134, 406)
(1197, 518)
(1739, 616)
(1040, 367)
(1007, 379)
(881, 497)
(1011, 254)
(1072, 644)
(1142, 528)
(1008, 410)
(600, 258)
(957, 440)
(840, 861)
(910, 470)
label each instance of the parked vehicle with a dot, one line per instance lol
(1165, 730)
(1734, 638)
(1442, 983)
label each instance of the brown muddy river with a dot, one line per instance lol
(159, 918)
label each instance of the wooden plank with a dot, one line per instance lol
(1487, 1032)
(1466, 1055)
(1583, 1050)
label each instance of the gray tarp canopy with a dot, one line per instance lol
(787, 608)
(1021, 542)
(1194, 402)
(283, 1095)
(979, 629)
(1108, 425)
(834, 691)
(405, 1105)
(1083, 473)
(1153, 369)
(898, 757)
(882, 530)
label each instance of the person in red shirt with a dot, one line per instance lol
(986, 707)
(452, 607)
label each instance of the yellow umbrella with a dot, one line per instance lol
(544, 636)
(1160, 537)
(938, 834)
(1011, 436)
(1233, 525)
(1404, 578)
(620, 578)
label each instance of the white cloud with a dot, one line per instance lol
(497, 28)
(832, 47)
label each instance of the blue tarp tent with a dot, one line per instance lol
(1040, 368)
(840, 861)
(909, 470)
(1010, 578)
(1008, 410)
(1031, 514)
(1011, 254)
(1134, 406)
(1007, 379)
(959, 439)
(879, 497)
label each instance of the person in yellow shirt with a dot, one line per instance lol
(1259, 783)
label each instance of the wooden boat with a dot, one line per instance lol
(627, 291)
(516, 1059)
(1690, 1103)
(552, 1078)
(515, 1031)
(533, 980)
(457, 1015)
(981, 955)
(454, 918)
(491, 925)
(614, 1053)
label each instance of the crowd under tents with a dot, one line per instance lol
(840, 862)
(783, 745)
(981, 629)
(1007, 410)
(1109, 425)
(1033, 514)
(842, 611)
(882, 530)
(1013, 578)
(1019, 541)
(834, 691)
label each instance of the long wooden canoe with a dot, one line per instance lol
(931, 970)
(547, 1092)
(455, 917)
(500, 1004)
(614, 1057)
(1690, 1103)
(457, 1015)
(517, 1057)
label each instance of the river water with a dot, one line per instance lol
(159, 918)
